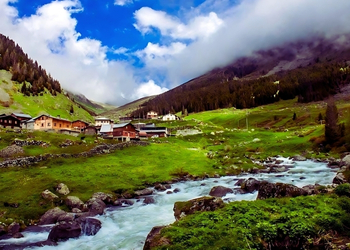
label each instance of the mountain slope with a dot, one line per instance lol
(12, 100)
(309, 70)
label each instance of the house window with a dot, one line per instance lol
(10, 121)
(67, 126)
(15, 122)
(60, 125)
(55, 124)
(42, 124)
(5, 121)
(48, 124)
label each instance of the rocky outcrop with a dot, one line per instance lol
(121, 202)
(299, 158)
(339, 178)
(146, 191)
(278, 190)
(51, 216)
(64, 231)
(13, 228)
(95, 206)
(220, 191)
(106, 198)
(74, 202)
(345, 161)
(22, 143)
(89, 226)
(154, 239)
(184, 208)
(48, 195)
(250, 185)
(11, 151)
(62, 189)
(149, 200)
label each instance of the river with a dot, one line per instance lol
(126, 228)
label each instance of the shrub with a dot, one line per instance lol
(343, 189)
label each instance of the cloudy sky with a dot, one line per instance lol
(116, 51)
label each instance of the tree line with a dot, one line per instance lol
(24, 70)
(311, 83)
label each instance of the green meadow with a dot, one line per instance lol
(224, 147)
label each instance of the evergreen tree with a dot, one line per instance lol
(332, 132)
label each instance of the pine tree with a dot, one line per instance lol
(332, 132)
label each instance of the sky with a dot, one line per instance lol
(116, 51)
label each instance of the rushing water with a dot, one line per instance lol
(127, 227)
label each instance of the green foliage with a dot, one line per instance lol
(291, 223)
(332, 132)
(343, 189)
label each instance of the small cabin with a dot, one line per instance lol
(9, 121)
(152, 115)
(79, 125)
(170, 117)
(102, 121)
(124, 132)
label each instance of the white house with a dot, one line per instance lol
(170, 117)
(102, 121)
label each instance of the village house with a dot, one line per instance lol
(21, 117)
(106, 131)
(102, 121)
(124, 132)
(154, 132)
(79, 125)
(152, 115)
(90, 130)
(47, 122)
(9, 121)
(170, 117)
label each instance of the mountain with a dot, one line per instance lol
(90, 106)
(126, 109)
(26, 87)
(310, 70)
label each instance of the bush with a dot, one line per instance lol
(343, 189)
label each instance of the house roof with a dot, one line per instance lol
(22, 115)
(121, 125)
(57, 118)
(81, 121)
(106, 128)
(102, 119)
(154, 129)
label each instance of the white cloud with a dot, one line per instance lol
(121, 50)
(252, 25)
(123, 2)
(197, 27)
(147, 89)
(157, 55)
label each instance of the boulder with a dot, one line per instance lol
(339, 178)
(278, 190)
(299, 158)
(96, 206)
(11, 151)
(146, 191)
(64, 231)
(239, 182)
(346, 161)
(17, 235)
(311, 189)
(122, 202)
(220, 191)
(51, 216)
(148, 200)
(106, 198)
(250, 185)
(176, 190)
(154, 239)
(89, 226)
(76, 210)
(48, 195)
(62, 189)
(183, 208)
(66, 217)
(160, 187)
(13, 228)
(2, 230)
(74, 202)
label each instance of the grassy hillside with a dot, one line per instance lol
(126, 109)
(225, 147)
(14, 101)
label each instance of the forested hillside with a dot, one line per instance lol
(24, 69)
(307, 71)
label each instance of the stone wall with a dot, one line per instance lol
(100, 149)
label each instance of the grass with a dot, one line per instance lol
(43, 104)
(287, 223)
(224, 148)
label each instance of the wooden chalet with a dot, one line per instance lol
(9, 121)
(124, 131)
(152, 115)
(154, 132)
(47, 122)
(79, 125)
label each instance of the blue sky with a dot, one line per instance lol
(117, 51)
